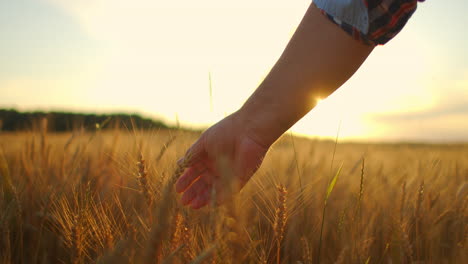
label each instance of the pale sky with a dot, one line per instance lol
(153, 57)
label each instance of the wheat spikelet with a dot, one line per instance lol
(341, 256)
(446, 214)
(177, 234)
(402, 201)
(462, 191)
(186, 240)
(280, 220)
(363, 248)
(159, 230)
(43, 128)
(158, 234)
(361, 190)
(306, 255)
(164, 148)
(433, 198)
(132, 238)
(341, 221)
(407, 247)
(204, 255)
(420, 199)
(419, 235)
(280, 215)
(263, 257)
(143, 180)
(154, 247)
(227, 235)
(108, 237)
(31, 148)
(76, 239)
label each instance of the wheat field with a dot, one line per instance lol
(107, 197)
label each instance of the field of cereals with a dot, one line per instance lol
(108, 197)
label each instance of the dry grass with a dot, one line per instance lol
(107, 197)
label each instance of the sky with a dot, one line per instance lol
(155, 57)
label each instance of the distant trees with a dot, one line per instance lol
(12, 120)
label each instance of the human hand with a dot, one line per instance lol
(223, 159)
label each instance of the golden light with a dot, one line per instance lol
(200, 62)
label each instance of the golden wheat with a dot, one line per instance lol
(74, 198)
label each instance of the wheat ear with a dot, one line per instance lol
(280, 219)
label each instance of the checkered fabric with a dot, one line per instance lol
(385, 18)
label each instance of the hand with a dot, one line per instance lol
(224, 158)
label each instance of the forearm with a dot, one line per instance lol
(319, 58)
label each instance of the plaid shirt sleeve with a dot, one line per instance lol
(373, 22)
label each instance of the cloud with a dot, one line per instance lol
(451, 99)
(445, 120)
(439, 111)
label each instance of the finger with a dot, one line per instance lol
(201, 200)
(191, 193)
(188, 177)
(200, 184)
(187, 161)
(193, 154)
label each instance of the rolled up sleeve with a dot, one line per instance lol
(373, 22)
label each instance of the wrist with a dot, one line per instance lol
(261, 123)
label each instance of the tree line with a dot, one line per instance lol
(12, 120)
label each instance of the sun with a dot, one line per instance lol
(318, 100)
